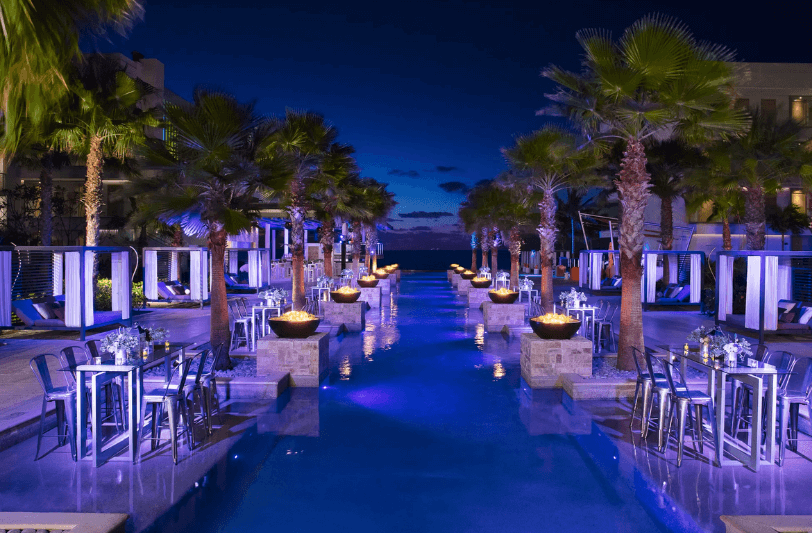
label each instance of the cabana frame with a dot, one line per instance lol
(590, 268)
(650, 275)
(199, 280)
(71, 276)
(259, 266)
(769, 279)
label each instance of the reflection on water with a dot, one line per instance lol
(498, 371)
(479, 337)
(345, 368)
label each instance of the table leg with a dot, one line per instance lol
(755, 426)
(81, 416)
(772, 386)
(720, 415)
(96, 420)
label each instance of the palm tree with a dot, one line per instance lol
(213, 179)
(549, 160)
(789, 219)
(40, 38)
(305, 139)
(516, 210)
(656, 81)
(470, 223)
(762, 161)
(668, 162)
(102, 120)
(712, 183)
(331, 192)
(378, 204)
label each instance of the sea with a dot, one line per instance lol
(433, 260)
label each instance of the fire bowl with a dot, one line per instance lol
(367, 283)
(383, 274)
(345, 297)
(468, 275)
(288, 329)
(459, 270)
(480, 284)
(504, 297)
(555, 331)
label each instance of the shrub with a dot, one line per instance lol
(104, 295)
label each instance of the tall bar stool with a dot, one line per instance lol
(785, 363)
(241, 330)
(644, 385)
(659, 390)
(607, 322)
(73, 356)
(171, 398)
(195, 389)
(681, 400)
(209, 383)
(64, 397)
(797, 393)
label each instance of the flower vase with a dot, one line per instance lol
(121, 357)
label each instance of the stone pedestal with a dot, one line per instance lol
(352, 316)
(449, 273)
(385, 285)
(455, 279)
(305, 359)
(393, 278)
(476, 297)
(371, 295)
(497, 316)
(397, 273)
(545, 358)
(464, 286)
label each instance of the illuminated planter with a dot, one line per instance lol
(467, 274)
(371, 295)
(306, 360)
(481, 283)
(294, 325)
(368, 281)
(503, 296)
(499, 317)
(544, 360)
(345, 295)
(381, 274)
(552, 326)
(459, 269)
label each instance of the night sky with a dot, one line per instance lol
(427, 92)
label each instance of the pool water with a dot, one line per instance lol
(423, 425)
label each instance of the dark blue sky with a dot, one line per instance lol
(419, 85)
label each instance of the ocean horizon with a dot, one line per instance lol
(437, 260)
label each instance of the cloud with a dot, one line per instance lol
(426, 214)
(443, 168)
(407, 173)
(454, 186)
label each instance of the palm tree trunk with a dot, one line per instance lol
(755, 217)
(297, 218)
(494, 250)
(46, 193)
(485, 246)
(369, 245)
(727, 241)
(326, 239)
(547, 233)
(667, 235)
(356, 247)
(473, 259)
(218, 239)
(93, 191)
(515, 247)
(633, 186)
(177, 236)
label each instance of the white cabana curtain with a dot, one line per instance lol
(57, 269)
(198, 275)
(784, 278)
(582, 267)
(121, 288)
(233, 267)
(73, 284)
(5, 289)
(771, 293)
(673, 267)
(650, 264)
(174, 266)
(724, 276)
(696, 278)
(89, 296)
(151, 274)
(254, 268)
(595, 264)
(753, 302)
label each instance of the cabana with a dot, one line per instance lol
(162, 274)
(258, 265)
(777, 296)
(685, 276)
(51, 287)
(591, 271)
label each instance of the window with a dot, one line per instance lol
(799, 109)
(768, 108)
(742, 103)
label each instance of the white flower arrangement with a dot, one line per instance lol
(525, 284)
(362, 270)
(485, 270)
(502, 276)
(324, 282)
(347, 273)
(274, 295)
(121, 339)
(157, 335)
(721, 345)
(572, 297)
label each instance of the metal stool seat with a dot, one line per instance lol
(171, 398)
(64, 397)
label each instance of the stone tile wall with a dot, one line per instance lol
(385, 285)
(455, 279)
(497, 316)
(545, 358)
(464, 286)
(476, 297)
(305, 359)
(352, 316)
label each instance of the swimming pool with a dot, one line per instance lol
(421, 426)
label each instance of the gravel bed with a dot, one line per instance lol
(244, 367)
(604, 368)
